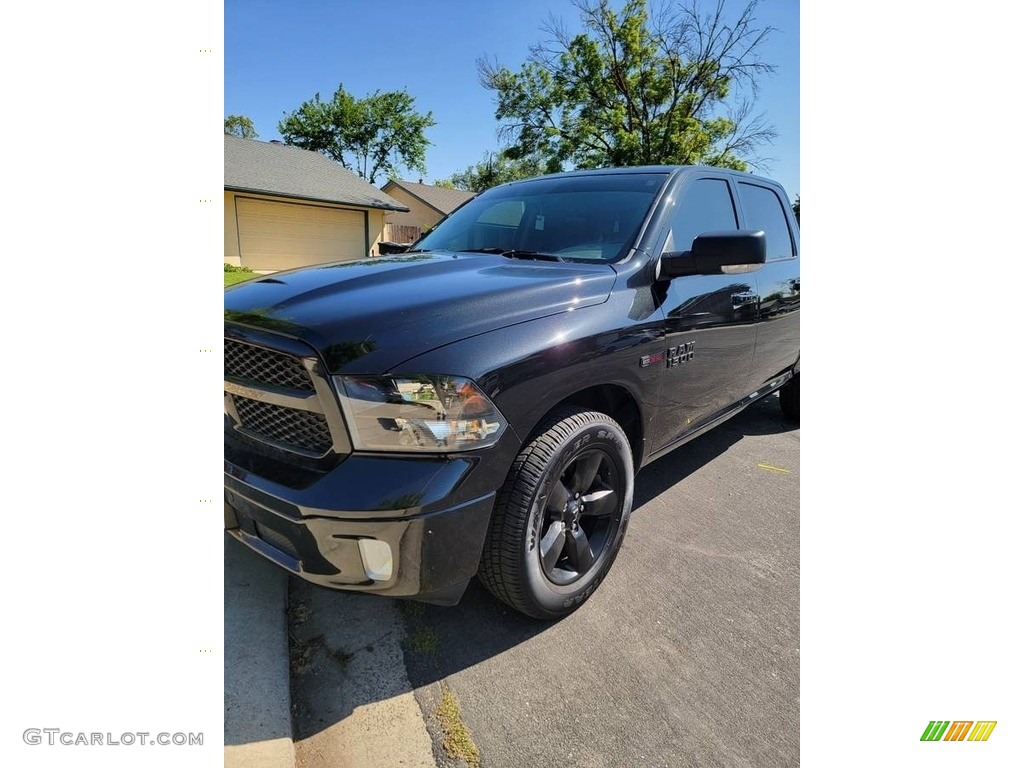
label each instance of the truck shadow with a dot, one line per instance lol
(760, 419)
(481, 626)
(439, 642)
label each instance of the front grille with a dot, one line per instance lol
(291, 426)
(245, 361)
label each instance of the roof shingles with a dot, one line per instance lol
(285, 171)
(441, 199)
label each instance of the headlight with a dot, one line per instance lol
(437, 414)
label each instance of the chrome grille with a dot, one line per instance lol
(245, 361)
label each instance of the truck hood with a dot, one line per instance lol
(369, 316)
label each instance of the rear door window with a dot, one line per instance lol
(763, 209)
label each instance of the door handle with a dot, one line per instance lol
(745, 299)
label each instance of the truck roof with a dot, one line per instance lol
(668, 169)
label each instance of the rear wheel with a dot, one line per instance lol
(789, 399)
(559, 519)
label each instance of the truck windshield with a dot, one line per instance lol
(574, 218)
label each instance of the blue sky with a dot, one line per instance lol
(278, 54)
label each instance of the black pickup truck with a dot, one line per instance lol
(480, 404)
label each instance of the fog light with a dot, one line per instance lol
(376, 559)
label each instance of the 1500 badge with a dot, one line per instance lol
(672, 357)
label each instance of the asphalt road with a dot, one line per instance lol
(688, 654)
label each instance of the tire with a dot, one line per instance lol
(789, 399)
(560, 517)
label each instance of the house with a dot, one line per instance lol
(427, 206)
(287, 207)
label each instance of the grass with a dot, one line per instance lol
(234, 275)
(423, 640)
(457, 741)
(230, 278)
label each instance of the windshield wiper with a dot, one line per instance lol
(516, 253)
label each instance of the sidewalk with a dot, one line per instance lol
(257, 702)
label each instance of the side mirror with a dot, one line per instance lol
(713, 250)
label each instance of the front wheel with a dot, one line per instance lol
(559, 519)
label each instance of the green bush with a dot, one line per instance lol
(232, 268)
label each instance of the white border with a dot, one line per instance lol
(910, 503)
(112, 564)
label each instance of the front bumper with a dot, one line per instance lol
(424, 509)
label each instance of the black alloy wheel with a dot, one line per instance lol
(559, 519)
(580, 512)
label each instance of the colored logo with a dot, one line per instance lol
(958, 730)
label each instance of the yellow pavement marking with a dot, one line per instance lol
(774, 469)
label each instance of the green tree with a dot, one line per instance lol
(636, 88)
(240, 126)
(493, 170)
(372, 136)
(796, 209)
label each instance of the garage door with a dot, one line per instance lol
(286, 235)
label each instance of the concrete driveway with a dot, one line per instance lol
(688, 655)
(257, 713)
